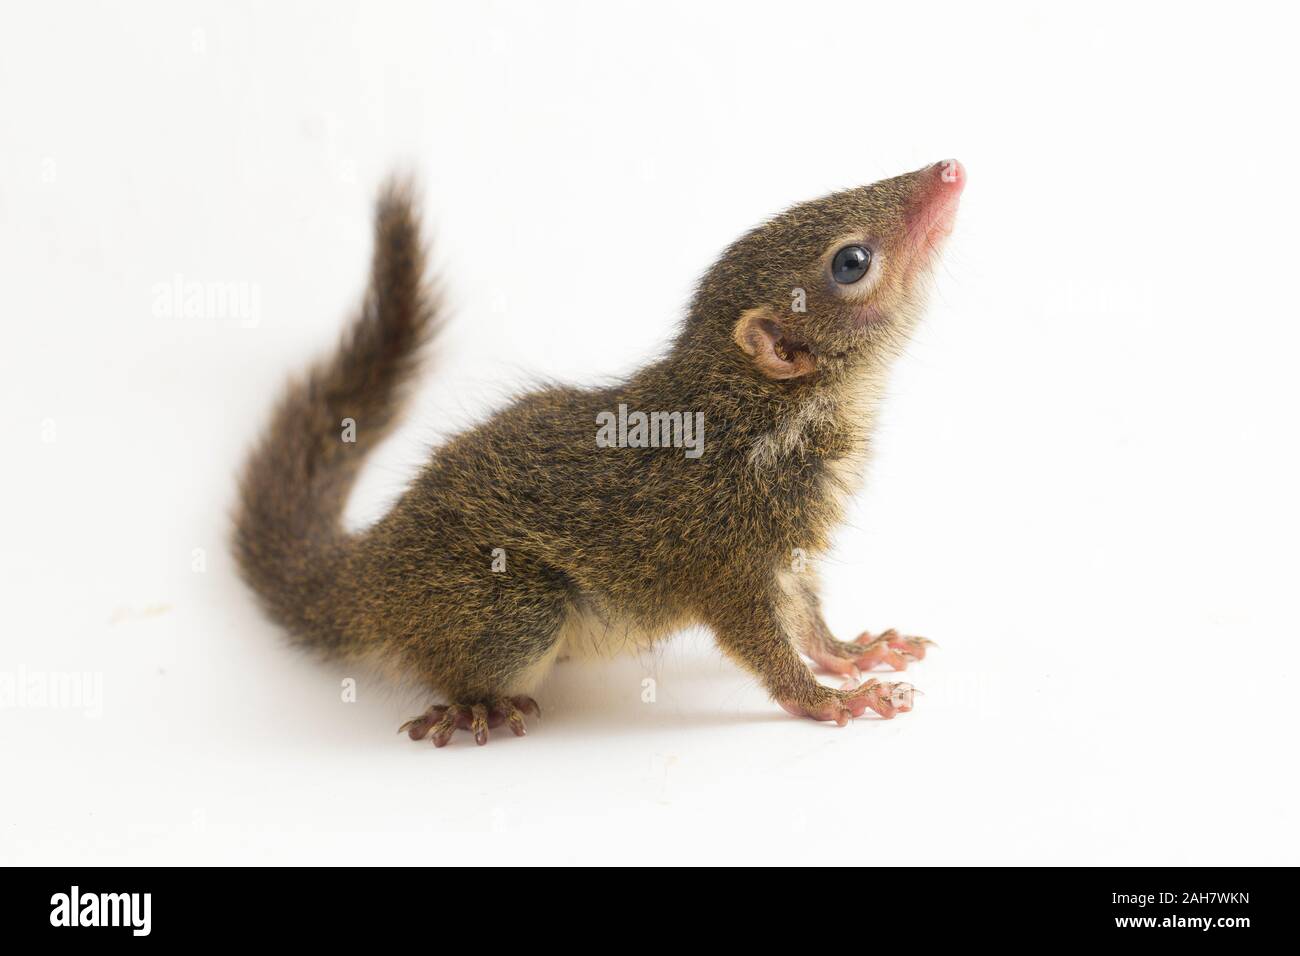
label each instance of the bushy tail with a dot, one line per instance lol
(288, 538)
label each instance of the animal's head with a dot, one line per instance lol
(831, 283)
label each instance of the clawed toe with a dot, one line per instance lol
(514, 710)
(453, 717)
(418, 727)
(886, 699)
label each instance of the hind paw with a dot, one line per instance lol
(443, 720)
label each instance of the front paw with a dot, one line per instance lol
(886, 699)
(850, 658)
(896, 650)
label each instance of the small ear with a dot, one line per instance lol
(775, 353)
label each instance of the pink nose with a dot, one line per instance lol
(950, 173)
(934, 208)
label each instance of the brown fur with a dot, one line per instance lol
(601, 543)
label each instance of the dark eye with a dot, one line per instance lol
(850, 264)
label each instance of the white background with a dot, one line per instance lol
(1084, 489)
